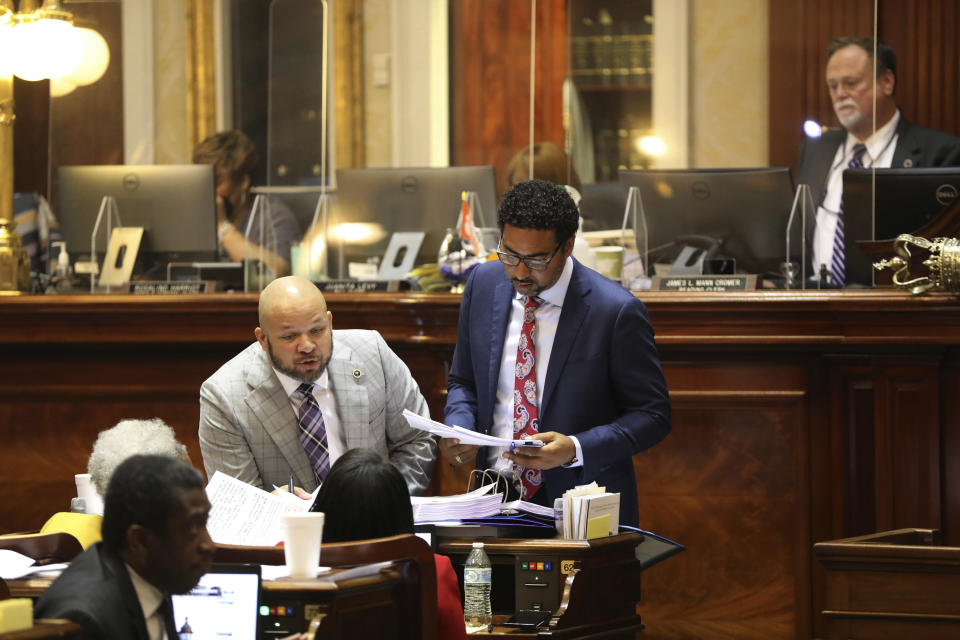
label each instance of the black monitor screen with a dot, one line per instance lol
(602, 205)
(408, 199)
(175, 204)
(906, 199)
(746, 209)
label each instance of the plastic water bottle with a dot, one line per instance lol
(476, 590)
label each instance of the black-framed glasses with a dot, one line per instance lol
(534, 264)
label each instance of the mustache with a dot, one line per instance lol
(845, 103)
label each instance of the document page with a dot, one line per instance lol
(243, 514)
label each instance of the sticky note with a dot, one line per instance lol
(16, 614)
(598, 527)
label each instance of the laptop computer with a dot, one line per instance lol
(224, 604)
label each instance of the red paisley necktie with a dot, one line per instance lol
(525, 418)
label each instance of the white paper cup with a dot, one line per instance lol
(302, 533)
(86, 490)
(610, 261)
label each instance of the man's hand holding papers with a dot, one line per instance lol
(459, 446)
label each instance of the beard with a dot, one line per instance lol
(292, 371)
(849, 119)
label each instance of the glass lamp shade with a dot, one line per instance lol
(60, 87)
(94, 58)
(44, 48)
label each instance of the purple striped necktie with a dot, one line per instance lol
(838, 269)
(313, 432)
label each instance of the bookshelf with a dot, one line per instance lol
(611, 64)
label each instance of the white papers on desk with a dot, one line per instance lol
(15, 565)
(527, 507)
(479, 503)
(465, 436)
(243, 514)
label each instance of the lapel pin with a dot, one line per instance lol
(356, 374)
(908, 162)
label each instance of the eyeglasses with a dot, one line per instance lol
(534, 264)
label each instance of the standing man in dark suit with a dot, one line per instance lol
(550, 350)
(890, 141)
(155, 543)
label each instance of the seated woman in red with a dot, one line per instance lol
(364, 496)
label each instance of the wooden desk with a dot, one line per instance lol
(363, 607)
(360, 607)
(895, 584)
(43, 629)
(591, 586)
(798, 417)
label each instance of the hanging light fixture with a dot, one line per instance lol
(41, 42)
(44, 41)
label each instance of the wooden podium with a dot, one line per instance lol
(894, 584)
(591, 586)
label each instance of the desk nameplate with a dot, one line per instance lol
(744, 282)
(167, 287)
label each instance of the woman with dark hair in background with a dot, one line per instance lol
(235, 160)
(363, 497)
(550, 163)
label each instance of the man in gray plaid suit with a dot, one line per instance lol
(252, 408)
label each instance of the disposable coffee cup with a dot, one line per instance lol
(610, 261)
(87, 491)
(302, 534)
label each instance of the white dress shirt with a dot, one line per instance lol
(880, 147)
(150, 600)
(328, 408)
(547, 319)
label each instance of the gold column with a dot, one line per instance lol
(201, 80)
(348, 78)
(14, 266)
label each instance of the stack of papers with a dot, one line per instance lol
(476, 504)
(240, 513)
(527, 507)
(590, 512)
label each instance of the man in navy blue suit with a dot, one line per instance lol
(550, 350)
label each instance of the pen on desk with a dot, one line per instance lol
(290, 485)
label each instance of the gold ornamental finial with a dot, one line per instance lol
(942, 264)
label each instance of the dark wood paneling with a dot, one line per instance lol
(799, 33)
(490, 79)
(729, 482)
(923, 34)
(790, 410)
(31, 134)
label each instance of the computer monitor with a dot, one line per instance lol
(602, 205)
(175, 204)
(407, 199)
(745, 209)
(223, 604)
(906, 199)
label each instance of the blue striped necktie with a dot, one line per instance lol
(313, 432)
(837, 263)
